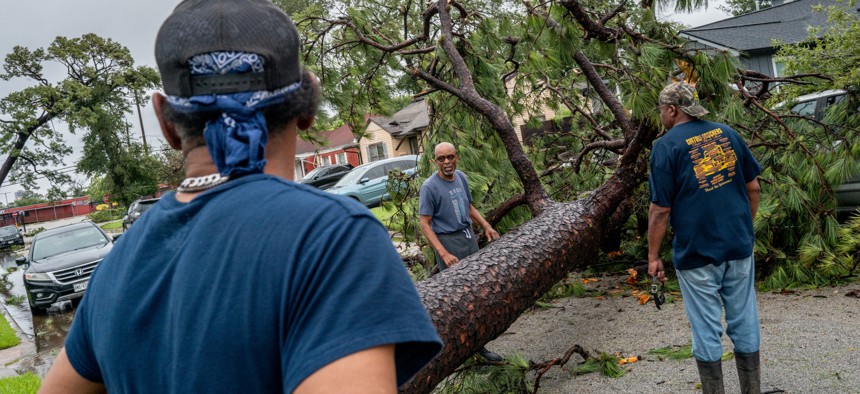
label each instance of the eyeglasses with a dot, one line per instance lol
(444, 158)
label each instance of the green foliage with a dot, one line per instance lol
(474, 377)
(526, 64)
(28, 197)
(8, 338)
(27, 383)
(605, 364)
(570, 287)
(106, 215)
(673, 352)
(101, 78)
(740, 7)
(16, 299)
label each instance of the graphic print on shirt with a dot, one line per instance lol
(460, 202)
(713, 159)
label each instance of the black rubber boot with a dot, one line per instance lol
(749, 372)
(490, 356)
(711, 375)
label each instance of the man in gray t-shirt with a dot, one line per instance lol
(447, 213)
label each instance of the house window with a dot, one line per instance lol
(328, 160)
(341, 158)
(377, 152)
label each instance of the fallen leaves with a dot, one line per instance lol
(853, 293)
(586, 281)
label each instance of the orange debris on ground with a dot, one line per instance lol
(632, 279)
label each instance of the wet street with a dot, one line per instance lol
(46, 331)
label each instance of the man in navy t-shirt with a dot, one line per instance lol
(704, 180)
(243, 281)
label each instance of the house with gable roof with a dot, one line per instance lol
(340, 147)
(397, 135)
(750, 37)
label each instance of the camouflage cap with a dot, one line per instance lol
(685, 97)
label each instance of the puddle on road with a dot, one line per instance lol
(47, 331)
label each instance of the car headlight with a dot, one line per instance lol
(37, 277)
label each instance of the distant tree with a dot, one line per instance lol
(76, 189)
(171, 166)
(130, 172)
(99, 72)
(28, 197)
(740, 7)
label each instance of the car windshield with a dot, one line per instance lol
(68, 241)
(144, 205)
(351, 177)
(8, 230)
(313, 173)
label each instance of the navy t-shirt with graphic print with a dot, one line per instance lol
(700, 169)
(447, 202)
(249, 288)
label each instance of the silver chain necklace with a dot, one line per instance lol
(201, 183)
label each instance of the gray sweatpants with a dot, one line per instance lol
(461, 244)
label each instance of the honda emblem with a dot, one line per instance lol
(79, 272)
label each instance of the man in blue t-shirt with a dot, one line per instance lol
(704, 180)
(243, 281)
(446, 214)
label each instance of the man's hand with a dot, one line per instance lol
(449, 259)
(655, 268)
(491, 233)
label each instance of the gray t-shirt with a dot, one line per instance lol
(447, 202)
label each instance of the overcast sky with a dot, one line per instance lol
(134, 24)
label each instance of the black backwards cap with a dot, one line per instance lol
(203, 26)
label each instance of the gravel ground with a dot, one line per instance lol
(810, 342)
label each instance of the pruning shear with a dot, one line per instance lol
(658, 292)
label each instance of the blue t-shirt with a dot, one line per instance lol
(447, 202)
(700, 169)
(251, 287)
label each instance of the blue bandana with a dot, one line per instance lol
(237, 140)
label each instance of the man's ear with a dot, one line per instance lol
(167, 128)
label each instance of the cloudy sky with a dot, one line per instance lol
(35, 23)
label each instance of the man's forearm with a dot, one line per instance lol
(658, 220)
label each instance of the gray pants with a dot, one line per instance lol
(461, 244)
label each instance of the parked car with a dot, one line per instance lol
(9, 235)
(325, 177)
(61, 261)
(814, 106)
(135, 210)
(367, 182)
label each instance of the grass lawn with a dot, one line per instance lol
(112, 225)
(382, 214)
(8, 338)
(27, 383)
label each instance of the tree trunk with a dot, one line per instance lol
(476, 300)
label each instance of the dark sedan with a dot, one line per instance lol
(324, 177)
(9, 235)
(61, 261)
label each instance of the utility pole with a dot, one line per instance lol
(140, 118)
(6, 195)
